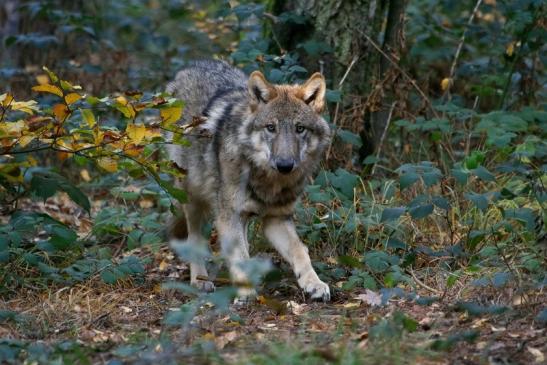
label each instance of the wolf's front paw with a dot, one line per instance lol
(203, 285)
(316, 289)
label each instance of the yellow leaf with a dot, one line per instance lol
(42, 79)
(88, 117)
(28, 107)
(98, 136)
(65, 145)
(85, 175)
(25, 140)
(121, 100)
(127, 110)
(164, 265)
(135, 132)
(13, 128)
(170, 115)
(72, 98)
(108, 164)
(52, 89)
(445, 83)
(6, 99)
(152, 132)
(510, 49)
(133, 150)
(60, 111)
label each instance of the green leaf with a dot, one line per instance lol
(389, 214)
(345, 182)
(46, 184)
(109, 276)
(441, 202)
(421, 211)
(523, 215)
(380, 261)
(482, 173)
(178, 194)
(479, 200)
(333, 96)
(408, 179)
(349, 137)
(460, 175)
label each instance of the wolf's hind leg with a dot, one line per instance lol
(195, 218)
(282, 235)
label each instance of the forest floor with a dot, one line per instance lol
(125, 322)
(93, 322)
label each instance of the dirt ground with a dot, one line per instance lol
(108, 319)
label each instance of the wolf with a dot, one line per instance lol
(257, 146)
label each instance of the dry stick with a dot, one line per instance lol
(424, 285)
(352, 63)
(407, 76)
(384, 133)
(459, 49)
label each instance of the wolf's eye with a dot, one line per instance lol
(300, 129)
(270, 128)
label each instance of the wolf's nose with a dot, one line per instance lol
(284, 166)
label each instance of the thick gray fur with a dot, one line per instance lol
(251, 157)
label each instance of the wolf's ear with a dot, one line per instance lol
(313, 92)
(260, 89)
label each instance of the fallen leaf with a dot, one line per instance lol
(146, 203)
(352, 305)
(370, 297)
(296, 308)
(163, 265)
(538, 355)
(224, 339)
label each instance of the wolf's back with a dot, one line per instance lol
(198, 84)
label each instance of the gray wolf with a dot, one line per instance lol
(262, 143)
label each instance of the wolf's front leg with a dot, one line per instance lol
(232, 233)
(282, 235)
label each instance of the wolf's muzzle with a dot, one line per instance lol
(284, 166)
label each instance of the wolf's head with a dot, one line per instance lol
(286, 133)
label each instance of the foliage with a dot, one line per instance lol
(454, 197)
(121, 131)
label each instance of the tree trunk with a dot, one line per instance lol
(354, 66)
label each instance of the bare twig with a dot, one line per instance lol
(424, 285)
(459, 49)
(336, 110)
(406, 75)
(384, 133)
